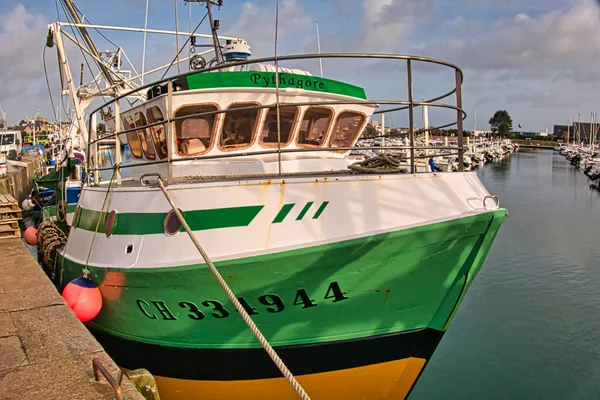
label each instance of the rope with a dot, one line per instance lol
(50, 238)
(232, 297)
(61, 211)
(85, 269)
(381, 164)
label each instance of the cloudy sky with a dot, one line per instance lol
(538, 59)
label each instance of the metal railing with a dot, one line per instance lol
(397, 105)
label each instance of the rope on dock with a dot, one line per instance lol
(263, 341)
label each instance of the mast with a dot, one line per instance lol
(90, 43)
(66, 72)
(214, 26)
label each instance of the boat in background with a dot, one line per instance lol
(351, 269)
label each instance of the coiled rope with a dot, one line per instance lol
(232, 297)
(50, 238)
(381, 164)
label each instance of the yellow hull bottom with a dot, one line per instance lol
(389, 380)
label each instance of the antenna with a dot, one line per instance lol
(319, 48)
(177, 37)
(144, 46)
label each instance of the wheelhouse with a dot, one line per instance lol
(233, 113)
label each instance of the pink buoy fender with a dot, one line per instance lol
(84, 298)
(31, 236)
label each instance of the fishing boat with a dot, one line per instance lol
(351, 270)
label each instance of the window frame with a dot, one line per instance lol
(327, 131)
(159, 153)
(293, 130)
(253, 133)
(213, 134)
(132, 134)
(335, 120)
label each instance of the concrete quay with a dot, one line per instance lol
(45, 352)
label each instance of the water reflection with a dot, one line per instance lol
(528, 326)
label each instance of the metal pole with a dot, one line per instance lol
(94, 136)
(118, 141)
(214, 34)
(177, 37)
(459, 120)
(170, 131)
(411, 116)
(383, 132)
(277, 89)
(144, 46)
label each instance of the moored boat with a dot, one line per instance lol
(352, 271)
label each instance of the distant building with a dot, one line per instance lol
(560, 131)
(527, 134)
(585, 130)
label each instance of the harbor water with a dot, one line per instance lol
(529, 326)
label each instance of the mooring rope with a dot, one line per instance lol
(85, 269)
(232, 297)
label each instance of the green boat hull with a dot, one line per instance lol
(333, 307)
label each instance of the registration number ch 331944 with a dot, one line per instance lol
(270, 302)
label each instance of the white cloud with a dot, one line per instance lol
(546, 43)
(256, 24)
(388, 23)
(21, 39)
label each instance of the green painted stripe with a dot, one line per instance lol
(258, 79)
(152, 223)
(304, 211)
(398, 281)
(285, 210)
(70, 209)
(320, 210)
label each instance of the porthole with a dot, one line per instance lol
(172, 224)
(111, 223)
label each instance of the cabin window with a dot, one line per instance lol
(287, 120)
(132, 138)
(147, 147)
(346, 129)
(314, 127)
(158, 131)
(195, 134)
(239, 127)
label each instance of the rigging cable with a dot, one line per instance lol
(48, 83)
(186, 42)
